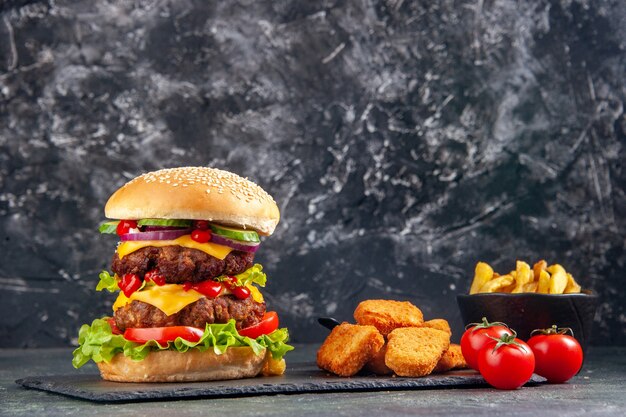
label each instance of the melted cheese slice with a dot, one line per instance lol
(171, 298)
(213, 249)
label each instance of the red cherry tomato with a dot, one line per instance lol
(201, 236)
(506, 364)
(155, 277)
(114, 328)
(162, 335)
(208, 288)
(241, 292)
(237, 290)
(267, 325)
(201, 224)
(129, 283)
(558, 356)
(124, 226)
(477, 336)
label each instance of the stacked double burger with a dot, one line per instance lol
(189, 306)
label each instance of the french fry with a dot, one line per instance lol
(572, 286)
(482, 274)
(497, 284)
(543, 286)
(540, 279)
(523, 276)
(538, 267)
(558, 280)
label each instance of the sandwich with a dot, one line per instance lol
(189, 305)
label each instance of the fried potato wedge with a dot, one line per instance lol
(537, 268)
(439, 324)
(523, 275)
(348, 348)
(572, 286)
(495, 285)
(415, 351)
(558, 279)
(482, 274)
(543, 286)
(387, 315)
(451, 359)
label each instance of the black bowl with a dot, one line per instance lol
(526, 312)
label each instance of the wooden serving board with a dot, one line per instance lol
(300, 378)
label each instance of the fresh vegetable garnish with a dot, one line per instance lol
(129, 283)
(558, 356)
(267, 325)
(201, 236)
(208, 288)
(163, 335)
(253, 275)
(165, 222)
(114, 328)
(155, 235)
(107, 282)
(98, 343)
(236, 288)
(477, 335)
(201, 224)
(124, 226)
(108, 227)
(236, 234)
(155, 277)
(506, 362)
(236, 244)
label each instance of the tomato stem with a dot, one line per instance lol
(485, 324)
(505, 340)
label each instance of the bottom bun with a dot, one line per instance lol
(193, 365)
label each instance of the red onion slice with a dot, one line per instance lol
(235, 244)
(155, 235)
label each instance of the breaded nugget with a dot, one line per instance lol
(451, 359)
(439, 324)
(377, 365)
(387, 315)
(415, 351)
(348, 348)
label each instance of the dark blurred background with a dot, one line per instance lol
(403, 141)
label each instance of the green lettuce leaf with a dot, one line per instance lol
(109, 227)
(252, 275)
(96, 342)
(107, 282)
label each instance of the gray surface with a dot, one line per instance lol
(597, 390)
(403, 140)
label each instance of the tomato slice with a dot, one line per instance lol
(113, 326)
(267, 325)
(162, 335)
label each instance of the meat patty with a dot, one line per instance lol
(179, 264)
(206, 310)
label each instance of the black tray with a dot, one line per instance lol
(299, 378)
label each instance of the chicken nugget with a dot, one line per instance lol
(451, 359)
(439, 324)
(348, 348)
(377, 365)
(387, 315)
(415, 351)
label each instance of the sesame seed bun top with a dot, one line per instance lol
(197, 193)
